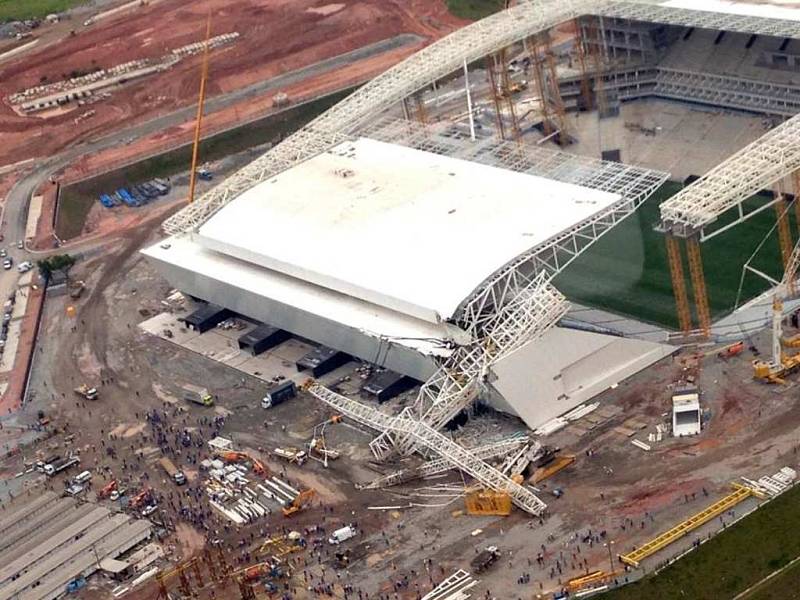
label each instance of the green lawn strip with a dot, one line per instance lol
(77, 199)
(627, 272)
(474, 9)
(732, 561)
(18, 10)
(783, 586)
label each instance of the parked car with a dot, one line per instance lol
(21, 244)
(7, 263)
(24, 266)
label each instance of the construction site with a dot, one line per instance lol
(516, 318)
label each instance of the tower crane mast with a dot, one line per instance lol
(781, 363)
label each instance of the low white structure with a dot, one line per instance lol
(686, 414)
(566, 367)
(380, 251)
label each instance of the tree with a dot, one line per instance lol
(56, 263)
(44, 268)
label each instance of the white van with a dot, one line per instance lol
(342, 535)
(83, 477)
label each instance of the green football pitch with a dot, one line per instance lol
(626, 271)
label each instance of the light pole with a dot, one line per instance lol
(610, 557)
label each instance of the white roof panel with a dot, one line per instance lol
(772, 10)
(398, 227)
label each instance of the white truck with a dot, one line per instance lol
(293, 455)
(342, 535)
(61, 465)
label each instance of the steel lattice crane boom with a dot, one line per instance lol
(440, 465)
(457, 383)
(434, 441)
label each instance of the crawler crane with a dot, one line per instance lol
(781, 362)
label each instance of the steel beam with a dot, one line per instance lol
(435, 442)
(441, 465)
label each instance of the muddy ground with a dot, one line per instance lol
(614, 492)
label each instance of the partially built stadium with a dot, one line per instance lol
(524, 215)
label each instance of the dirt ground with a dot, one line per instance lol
(615, 492)
(276, 36)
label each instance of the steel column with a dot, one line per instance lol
(699, 285)
(679, 283)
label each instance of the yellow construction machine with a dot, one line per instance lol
(483, 502)
(302, 500)
(781, 363)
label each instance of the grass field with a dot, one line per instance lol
(627, 272)
(733, 561)
(77, 200)
(783, 586)
(474, 9)
(17, 10)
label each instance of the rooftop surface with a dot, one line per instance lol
(401, 228)
(772, 10)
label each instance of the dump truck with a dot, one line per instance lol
(485, 559)
(174, 472)
(63, 464)
(89, 393)
(279, 394)
(293, 455)
(198, 395)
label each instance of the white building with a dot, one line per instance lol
(374, 249)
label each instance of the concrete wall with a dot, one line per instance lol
(303, 324)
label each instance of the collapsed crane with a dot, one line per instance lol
(441, 465)
(526, 316)
(427, 437)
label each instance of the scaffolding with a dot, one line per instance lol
(784, 230)
(537, 67)
(699, 285)
(502, 92)
(582, 56)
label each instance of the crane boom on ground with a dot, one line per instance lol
(434, 441)
(440, 465)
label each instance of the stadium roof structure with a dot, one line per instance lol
(473, 42)
(406, 230)
(360, 309)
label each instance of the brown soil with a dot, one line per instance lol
(276, 36)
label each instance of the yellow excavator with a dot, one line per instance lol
(781, 363)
